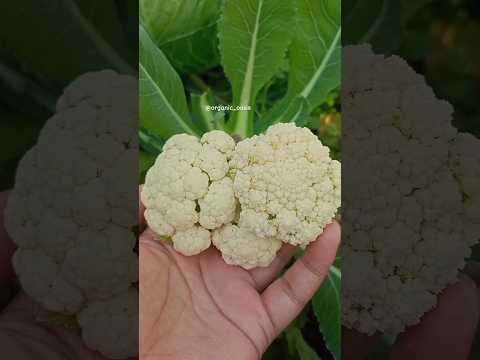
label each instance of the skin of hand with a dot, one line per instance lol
(195, 308)
(444, 333)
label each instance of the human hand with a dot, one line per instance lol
(444, 333)
(201, 308)
(22, 337)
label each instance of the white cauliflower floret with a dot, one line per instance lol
(220, 141)
(286, 183)
(410, 212)
(242, 247)
(192, 241)
(218, 206)
(195, 184)
(69, 212)
(187, 193)
(213, 162)
(100, 317)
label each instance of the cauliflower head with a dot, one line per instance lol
(187, 192)
(70, 214)
(287, 184)
(411, 212)
(247, 198)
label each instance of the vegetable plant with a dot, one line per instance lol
(265, 62)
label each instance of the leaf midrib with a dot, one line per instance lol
(241, 124)
(177, 117)
(326, 59)
(247, 85)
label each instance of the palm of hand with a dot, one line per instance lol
(200, 307)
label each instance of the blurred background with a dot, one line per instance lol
(46, 44)
(439, 39)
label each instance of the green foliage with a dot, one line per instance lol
(314, 61)
(44, 46)
(93, 26)
(195, 53)
(163, 107)
(254, 36)
(175, 19)
(298, 346)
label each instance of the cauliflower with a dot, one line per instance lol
(411, 212)
(286, 183)
(242, 247)
(246, 198)
(70, 215)
(187, 193)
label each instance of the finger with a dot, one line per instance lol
(357, 346)
(446, 332)
(7, 247)
(288, 295)
(263, 276)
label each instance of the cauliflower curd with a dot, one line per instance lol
(247, 198)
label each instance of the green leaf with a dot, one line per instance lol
(145, 162)
(61, 39)
(195, 53)
(254, 36)
(296, 110)
(315, 52)
(298, 345)
(149, 143)
(207, 118)
(315, 58)
(175, 19)
(377, 22)
(327, 309)
(163, 106)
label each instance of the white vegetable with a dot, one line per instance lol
(242, 247)
(410, 213)
(187, 193)
(70, 215)
(286, 183)
(249, 197)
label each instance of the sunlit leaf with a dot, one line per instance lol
(163, 106)
(254, 36)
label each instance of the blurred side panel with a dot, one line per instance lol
(68, 179)
(411, 179)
